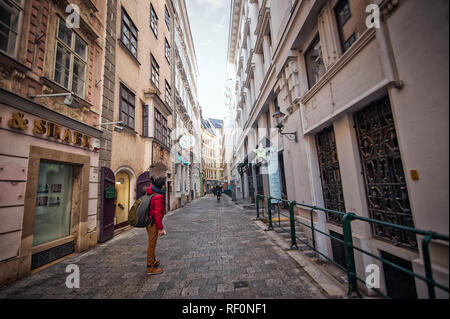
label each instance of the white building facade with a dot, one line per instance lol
(368, 117)
(187, 121)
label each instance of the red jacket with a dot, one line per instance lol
(157, 207)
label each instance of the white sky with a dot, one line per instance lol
(209, 21)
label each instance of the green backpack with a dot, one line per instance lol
(138, 215)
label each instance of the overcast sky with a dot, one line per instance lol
(209, 21)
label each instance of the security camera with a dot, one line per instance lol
(118, 128)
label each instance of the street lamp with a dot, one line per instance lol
(278, 115)
(117, 128)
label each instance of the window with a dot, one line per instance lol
(168, 94)
(167, 18)
(145, 121)
(70, 63)
(162, 132)
(129, 34)
(9, 25)
(167, 51)
(314, 62)
(127, 106)
(349, 42)
(343, 13)
(153, 21)
(154, 71)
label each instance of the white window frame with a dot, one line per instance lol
(18, 4)
(73, 55)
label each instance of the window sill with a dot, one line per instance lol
(58, 88)
(124, 47)
(129, 130)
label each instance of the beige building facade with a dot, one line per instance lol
(212, 155)
(363, 102)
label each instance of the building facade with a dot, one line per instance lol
(362, 107)
(186, 152)
(212, 157)
(50, 98)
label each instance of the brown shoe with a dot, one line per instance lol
(154, 271)
(156, 264)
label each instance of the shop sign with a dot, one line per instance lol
(110, 192)
(49, 130)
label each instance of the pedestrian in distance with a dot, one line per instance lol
(155, 228)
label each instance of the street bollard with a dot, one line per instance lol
(350, 256)
(292, 219)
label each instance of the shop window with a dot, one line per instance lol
(54, 203)
(315, 66)
(71, 59)
(129, 34)
(9, 25)
(127, 106)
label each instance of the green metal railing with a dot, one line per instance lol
(349, 247)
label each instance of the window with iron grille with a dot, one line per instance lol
(153, 21)
(154, 71)
(168, 94)
(71, 59)
(167, 18)
(330, 174)
(167, 51)
(145, 121)
(9, 25)
(129, 33)
(127, 106)
(384, 177)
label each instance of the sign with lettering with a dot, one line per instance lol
(50, 130)
(110, 192)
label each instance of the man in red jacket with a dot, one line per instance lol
(155, 228)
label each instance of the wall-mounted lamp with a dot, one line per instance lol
(279, 115)
(69, 100)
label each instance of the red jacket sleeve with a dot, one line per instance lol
(158, 211)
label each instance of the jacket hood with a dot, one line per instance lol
(154, 190)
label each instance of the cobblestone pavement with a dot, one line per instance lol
(211, 250)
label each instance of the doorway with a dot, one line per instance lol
(122, 200)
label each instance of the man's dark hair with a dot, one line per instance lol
(160, 182)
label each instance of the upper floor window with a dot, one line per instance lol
(9, 25)
(349, 25)
(154, 71)
(162, 132)
(168, 94)
(153, 21)
(167, 51)
(71, 59)
(167, 18)
(127, 106)
(129, 34)
(315, 66)
(343, 13)
(145, 121)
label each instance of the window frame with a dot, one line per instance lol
(312, 45)
(167, 17)
(154, 66)
(154, 21)
(125, 13)
(167, 51)
(123, 87)
(168, 94)
(72, 56)
(19, 6)
(162, 131)
(340, 25)
(145, 117)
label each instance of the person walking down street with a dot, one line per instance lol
(155, 228)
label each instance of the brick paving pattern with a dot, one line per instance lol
(212, 250)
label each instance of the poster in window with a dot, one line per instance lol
(42, 201)
(56, 188)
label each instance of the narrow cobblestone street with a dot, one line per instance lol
(211, 250)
